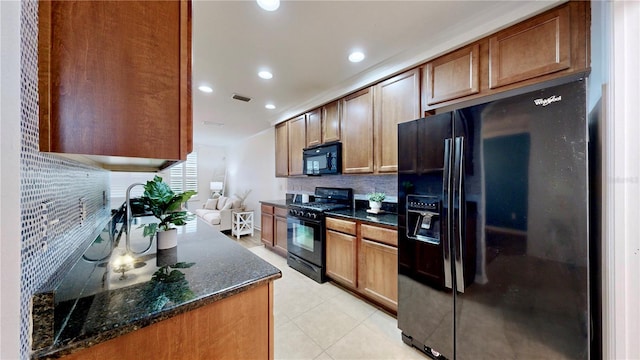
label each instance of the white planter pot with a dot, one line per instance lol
(167, 239)
(375, 205)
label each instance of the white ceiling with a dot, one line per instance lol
(305, 45)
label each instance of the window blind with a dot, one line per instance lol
(184, 176)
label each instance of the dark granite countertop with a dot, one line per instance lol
(95, 302)
(388, 218)
(280, 203)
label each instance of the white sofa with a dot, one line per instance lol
(217, 212)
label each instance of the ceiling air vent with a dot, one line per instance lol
(241, 98)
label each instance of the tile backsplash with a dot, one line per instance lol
(361, 184)
(54, 192)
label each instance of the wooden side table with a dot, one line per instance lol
(242, 223)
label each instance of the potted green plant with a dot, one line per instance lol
(166, 206)
(375, 200)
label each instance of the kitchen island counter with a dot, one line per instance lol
(117, 289)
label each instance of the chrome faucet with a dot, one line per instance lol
(128, 203)
(129, 219)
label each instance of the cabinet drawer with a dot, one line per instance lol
(383, 235)
(266, 209)
(348, 227)
(281, 211)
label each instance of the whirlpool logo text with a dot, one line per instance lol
(547, 101)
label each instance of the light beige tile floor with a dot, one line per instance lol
(322, 321)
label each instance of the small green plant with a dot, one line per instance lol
(165, 206)
(169, 284)
(376, 196)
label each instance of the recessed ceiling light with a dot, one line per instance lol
(356, 56)
(270, 106)
(269, 5)
(265, 74)
(205, 88)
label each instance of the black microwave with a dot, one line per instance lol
(323, 160)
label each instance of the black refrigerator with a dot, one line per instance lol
(493, 250)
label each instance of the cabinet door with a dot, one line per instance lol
(115, 78)
(453, 75)
(357, 132)
(530, 49)
(397, 100)
(378, 274)
(266, 221)
(282, 150)
(314, 127)
(266, 224)
(280, 223)
(297, 141)
(341, 258)
(331, 122)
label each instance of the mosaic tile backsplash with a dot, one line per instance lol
(361, 184)
(53, 189)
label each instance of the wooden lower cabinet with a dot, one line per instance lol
(266, 225)
(341, 257)
(274, 228)
(364, 258)
(378, 272)
(237, 327)
(280, 224)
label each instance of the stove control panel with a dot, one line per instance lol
(302, 213)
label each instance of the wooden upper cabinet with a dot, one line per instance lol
(533, 48)
(314, 127)
(397, 100)
(297, 142)
(453, 75)
(115, 78)
(357, 132)
(331, 122)
(282, 150)
(548, 46)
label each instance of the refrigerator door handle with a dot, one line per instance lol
(459, 211)
(446, 235)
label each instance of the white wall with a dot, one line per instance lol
(251, 166)
(621, 186)
(211, 166)
(10, 180)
